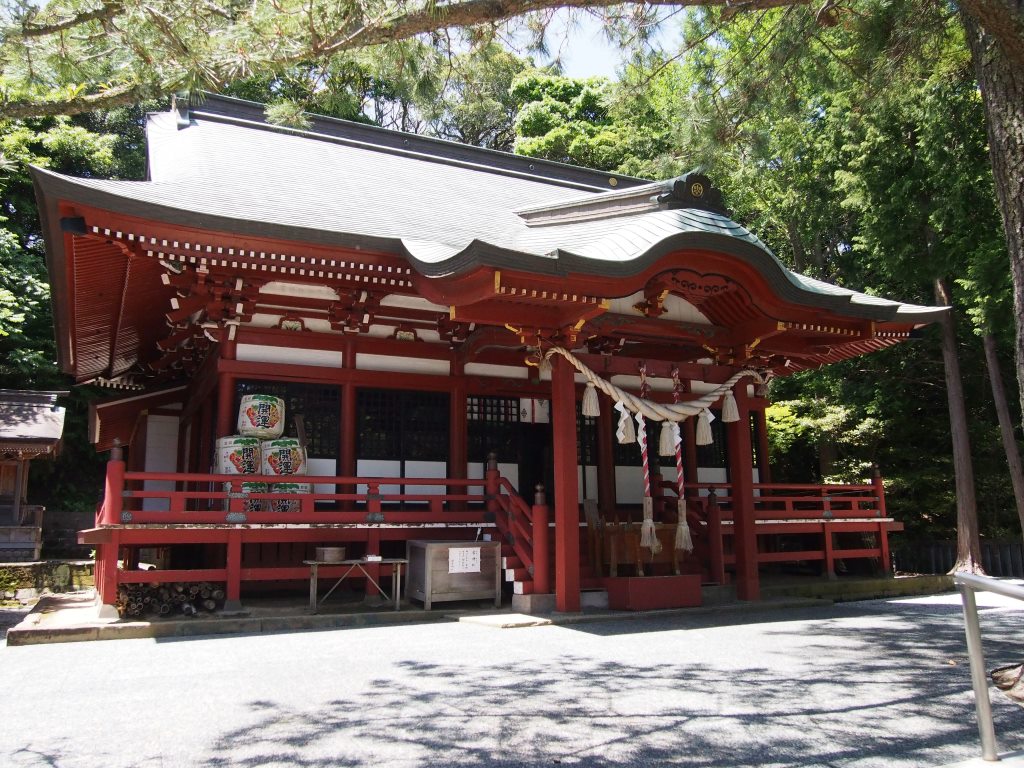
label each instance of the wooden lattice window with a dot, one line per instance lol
(586, 434)
(492, 425)
(402, 425)
(319, 404)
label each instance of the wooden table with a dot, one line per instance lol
(360, 565)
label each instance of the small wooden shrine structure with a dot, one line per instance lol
(425, 306)
(31, 426)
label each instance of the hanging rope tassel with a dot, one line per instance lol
(624, 433)
(544, 369)
(683, 538)
(591, 405)
(648, 537)
(730, 412)
(666, 441)
(704, 428)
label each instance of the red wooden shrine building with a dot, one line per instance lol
(424, 305)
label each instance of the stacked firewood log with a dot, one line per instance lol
(178, 598)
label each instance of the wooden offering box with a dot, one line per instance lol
(453, 570)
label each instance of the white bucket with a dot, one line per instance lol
(330, 554)
(284, 456)
(238, 455)
(261, 416)
(288, 505)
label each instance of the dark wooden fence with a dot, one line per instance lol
(999, 558)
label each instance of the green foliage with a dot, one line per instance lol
(572, 121)
(858, 153)
(90, 145)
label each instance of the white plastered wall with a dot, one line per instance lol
(161, 456)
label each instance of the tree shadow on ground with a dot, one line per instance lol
(891, 691)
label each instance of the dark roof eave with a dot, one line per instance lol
(53, 187)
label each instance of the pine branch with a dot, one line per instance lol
(108, 10)
(118, 96)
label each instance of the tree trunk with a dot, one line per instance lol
(1002, 93)
(995, 375)
(968, 542)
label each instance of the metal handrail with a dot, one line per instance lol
(969, 584)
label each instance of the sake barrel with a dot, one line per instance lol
(288, 505)
(248, 505)
(284, 456)
(237, 455)
(261, 416)
(254, 505)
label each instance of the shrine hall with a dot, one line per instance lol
(452, 344)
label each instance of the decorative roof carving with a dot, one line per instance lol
(693, 190)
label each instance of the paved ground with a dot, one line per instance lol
(861, 684)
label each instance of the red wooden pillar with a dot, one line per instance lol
(233, 601)
(225, 405)
(567, 503)
(106, 566)
(883, 528)
(830, 552)
(740, 476)
(113, 488)
(605, 458)
(226, 421)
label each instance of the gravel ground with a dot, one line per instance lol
(880, 683)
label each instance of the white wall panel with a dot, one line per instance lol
(365, 362)
(379, 468)
(161, 456)
(259, 353)
(629, 485)
(475, 471)
(324, 467)
(591, 492)
(426, 469)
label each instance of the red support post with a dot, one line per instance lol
(830, 557)
(741, 478)
(492, 484)
(233, 600)
(883, 531)
(883, 545)
(541, 553)
(567, 503)
(113, 488)
(225, 405)
(879, 488)
(106, 561)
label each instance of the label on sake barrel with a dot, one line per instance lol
(238, 455)
(248, 505)
(288, 505)
(261, 416)
(283, 457)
